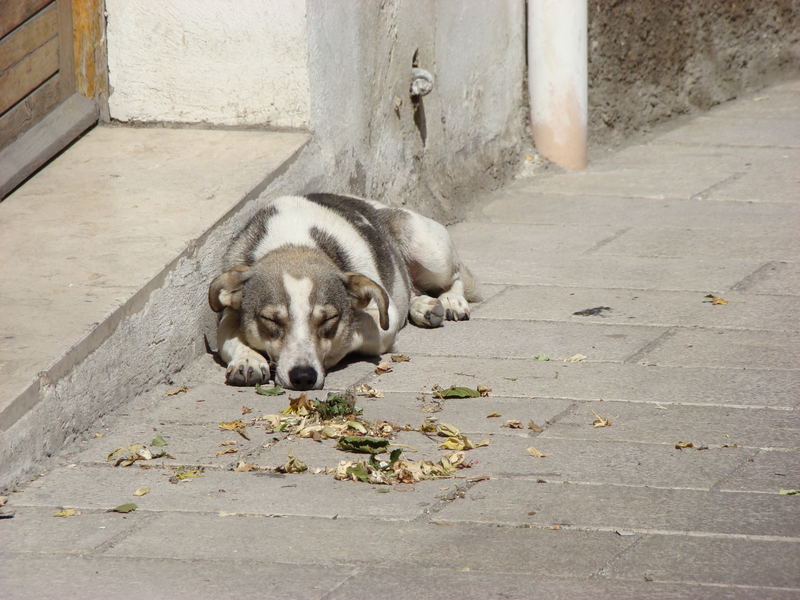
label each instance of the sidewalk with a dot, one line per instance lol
(711, 207)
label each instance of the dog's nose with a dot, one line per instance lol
(303, 378)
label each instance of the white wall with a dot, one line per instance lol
(225, 62)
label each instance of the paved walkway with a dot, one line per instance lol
(712, 207)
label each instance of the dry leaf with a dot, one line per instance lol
(513, 424)
(246, 410)
(299, 406)
(244, 467)
(123, 508)
(228, 450)
(400, 358)
(228, 443)
(682, 445)
(534, 427)
(141, 491)
(536, 453)
(383, 367)
(184, 472)
(181, 390)
(715, 300)
(238, 426)
(600, 421)
(575, 358)
(555, 527)
(66, 512)
(484, 390)
(493, 415)
(367, 390)
(3, 500)
(293, 465)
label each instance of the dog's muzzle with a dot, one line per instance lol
(303, 378)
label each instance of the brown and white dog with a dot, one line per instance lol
(314, 278)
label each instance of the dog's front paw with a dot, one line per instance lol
(425, 311)
(247, 371)
(456, 307)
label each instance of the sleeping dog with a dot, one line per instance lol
(313, 278)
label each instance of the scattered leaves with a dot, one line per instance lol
(275, 390)
(181, 390)
(123, 508)
(541, 356)
(334, 405)
(534, 427)
(536, 453)
(513, 424)
(367, 390)
(228, 450)
(455, 392)
(141, 491)
(246, 410)
(66, 512)
(185, 472)
(125, 457)
(715, 300)
(789, 492)
(362, 444)
(245, 467)
(493, 415)
(293, 465)
(238, 426)
(400, 358)
(158, 441)
(575, 358)
(600, 421)
(682, 445)
(591, 312)
(461, 442)
(383, 367)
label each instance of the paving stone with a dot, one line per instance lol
(715, 426)
(742, 131)
(727, 348)
(594, 381)
(604, 462)
(332, 543)
(773, 278)
(769, 242)
(766, 472)
(612, 508)
(521, 339)
(774, 104)
(772, 175)
(393, 583)
(157, 578)
(36, 530)
(644, 307)
(267, 494)
(528, 205)
(689, 559)
(493, 265)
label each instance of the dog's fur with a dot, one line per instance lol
(314, 278)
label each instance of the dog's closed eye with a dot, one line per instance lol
(271, 324)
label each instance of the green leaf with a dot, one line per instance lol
(158, 441)
(458, 392)
(394, 455)
(362, 444)
(541, 356)
(360, 471)
(276, 390)
(789, 492)
(124, 508)
(335, 405)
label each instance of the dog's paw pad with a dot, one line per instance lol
(456, 307)
(426, 312)
(247, 371)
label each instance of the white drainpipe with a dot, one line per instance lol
(557, 79)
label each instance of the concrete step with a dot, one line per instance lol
(99, 249)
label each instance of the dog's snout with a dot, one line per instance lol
(303, 378)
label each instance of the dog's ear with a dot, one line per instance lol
(362, 289)
(226, 289)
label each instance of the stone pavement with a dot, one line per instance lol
(711, 207)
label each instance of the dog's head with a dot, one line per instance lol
(304, 320)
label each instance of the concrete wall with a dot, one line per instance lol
(650, 60)
(224, 62)
(206, 61)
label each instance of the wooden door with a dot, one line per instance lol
(42, 108)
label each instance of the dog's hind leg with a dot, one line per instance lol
(245, 365)
(443, 285)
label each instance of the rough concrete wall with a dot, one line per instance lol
(650, 60)
(225, 62)
(373, 140)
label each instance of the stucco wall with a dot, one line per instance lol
(650, 60)
(224, 62)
